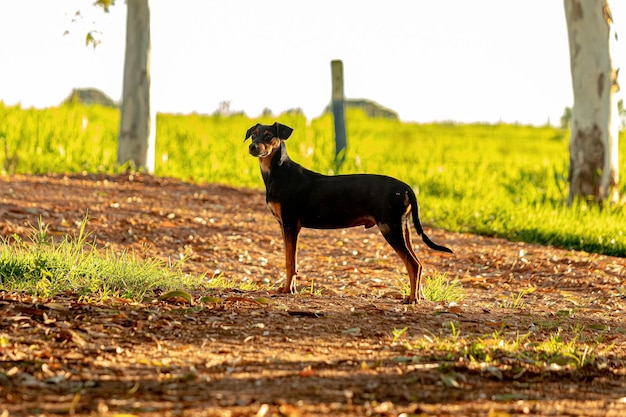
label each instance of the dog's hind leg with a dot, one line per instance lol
(397, 235)
(409, 246)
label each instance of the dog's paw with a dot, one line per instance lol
(409, 300)
(286, 290)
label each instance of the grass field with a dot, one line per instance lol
(179, 314)
(498, 180)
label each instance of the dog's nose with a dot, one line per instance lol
(253, 148)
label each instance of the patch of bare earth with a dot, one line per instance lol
(327, 351)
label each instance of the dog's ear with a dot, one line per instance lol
(249, 132)
(282, 131)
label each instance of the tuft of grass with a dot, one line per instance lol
(498, 349)
(219, 282)
(437, 288)
(44, 267)
(516, 301)
(312, 289)
(554, 350)
(398, 334)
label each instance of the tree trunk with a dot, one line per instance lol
(593, 171)
(138, 124)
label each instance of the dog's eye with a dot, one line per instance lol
(268, 137)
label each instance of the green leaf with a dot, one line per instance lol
(177, 294)
(90, 39)
(104, 4)
(449, 380)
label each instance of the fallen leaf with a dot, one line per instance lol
(449, 380)
(355, 331)
(509, 397)
(307, 371)
(498, 413)
(69, 334)
(57, 306)
(177, 295)
(300, 313)
(263, 410)
(495, 371)
(287, 410)
(455, 310)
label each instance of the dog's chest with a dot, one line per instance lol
(275, 209)
(266, 165)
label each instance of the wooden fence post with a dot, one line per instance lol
(337, 103)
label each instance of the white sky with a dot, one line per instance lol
(482, 60)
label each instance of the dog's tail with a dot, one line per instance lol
(418, 225)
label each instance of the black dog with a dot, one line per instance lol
(300, 198)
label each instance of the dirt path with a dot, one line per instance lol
(337, 348)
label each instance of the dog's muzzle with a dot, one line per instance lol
(258, 151)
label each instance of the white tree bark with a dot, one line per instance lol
(593, 143)
(138, 123)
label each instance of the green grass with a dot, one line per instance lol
(43, 267)
(517, 300)
(500, 350)
(437, 287)
(499, 180)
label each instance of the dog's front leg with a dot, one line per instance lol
(290, 236)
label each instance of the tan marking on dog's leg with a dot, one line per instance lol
(291, 243)
(290, 240)
(419, 290)
(396, 236)
(414, 271)
(418, 278)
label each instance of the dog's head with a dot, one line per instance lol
(266, 138)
